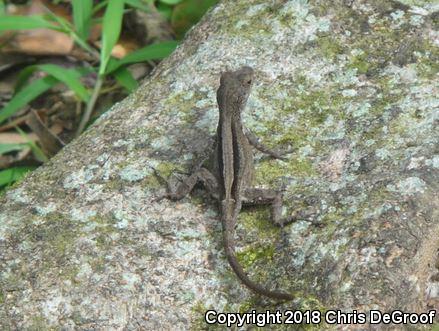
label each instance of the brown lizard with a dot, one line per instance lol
(229, 172)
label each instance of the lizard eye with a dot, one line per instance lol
(249, 81)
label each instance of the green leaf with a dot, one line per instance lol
(26, 95)
(11, 175)
(124, 78)
(6, 148)
(25, 23)
(187, 13)
(82, 11)
(150, 52)
(139, 4)
(171, 2)
(111, 27)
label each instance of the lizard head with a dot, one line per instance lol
(235, 87)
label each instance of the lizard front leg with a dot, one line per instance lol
(201, 175)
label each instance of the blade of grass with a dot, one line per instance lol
(39, 154)
(150, 52)
(8, 176)
(170, 2)
(2, 8)
(6, 148)
(23, 77)
(82, 11)
(124, 78)
(27, 94)
(67, 28)
(99, 6)
(67, 76)
(90, 105)
(165, 10)
(15, 22)
(111, 27)
(139, 4)
(74, 74)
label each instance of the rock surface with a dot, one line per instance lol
(351, 85)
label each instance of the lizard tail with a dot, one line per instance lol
(229, 245)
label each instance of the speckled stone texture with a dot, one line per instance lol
(351, 85)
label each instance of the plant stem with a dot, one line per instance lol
(90, 105)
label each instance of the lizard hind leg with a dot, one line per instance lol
(259, 196)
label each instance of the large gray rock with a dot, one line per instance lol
(351, 85)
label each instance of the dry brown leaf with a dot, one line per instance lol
(124, 47)
(38, 41)
(10, 125)
(16, 138)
